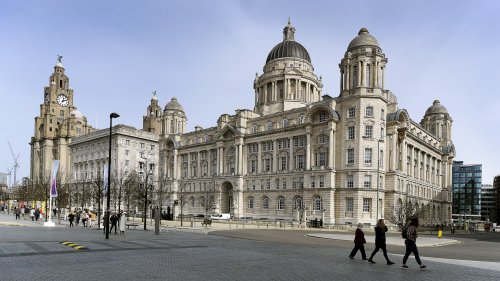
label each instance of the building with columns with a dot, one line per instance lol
(58, 122)
(300, 154)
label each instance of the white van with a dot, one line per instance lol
(220, 217)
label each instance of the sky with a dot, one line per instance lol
(206, 53)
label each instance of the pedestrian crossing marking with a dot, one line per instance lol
(74, 246)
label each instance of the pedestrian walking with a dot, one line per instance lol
(22, 212)
(37, 214)
(123, 219)
(359, 241)
(114, 220)
(411, 243)
(84, 217)
(32, 214)
(380, 230)
(17, 211)
(71, 217)
(77, 218)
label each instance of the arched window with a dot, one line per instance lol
(265, 203)
(298, 203)
(368, 76)
(281, 203)
(285, 122)
(317, 204)
(269, 125)
(192, 201)
(202, 201)
(250, 203)
(254, 129)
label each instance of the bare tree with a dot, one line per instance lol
(400, 213)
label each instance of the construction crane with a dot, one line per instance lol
(16, 164)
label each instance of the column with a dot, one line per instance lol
(341, 81)
(189, 166)
(240, 159)
(221, 160)
(393, 144)
(308, 149)
(275, 161)
(291, 163)
(375, 69)
(259, 159)
(175, 171)
(362, 73)
(331, 148)
(346, 78)
(404, 165)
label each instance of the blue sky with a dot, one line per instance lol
(207, 53)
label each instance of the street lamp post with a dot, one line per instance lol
(108, 193)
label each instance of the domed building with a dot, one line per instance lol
(300, 156)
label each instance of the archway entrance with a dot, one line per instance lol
(226, 198)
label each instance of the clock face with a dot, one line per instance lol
(62, 100)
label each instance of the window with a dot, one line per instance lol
(250, 203)
(152, 147)
(299, 141)
(298, 203)
(369, 131)
(354, 76)
(369, 111)
(283, 143)
(253, 148)
(299, 161)
(322, 139)
(368, 181)
(349, 204)
(350, 181)
(351, 112)
(351, 134)
(382, 133)
(253, 166)
(317, 204)
(142, 145)
(313, 182)
(321, 181)
(268, 184)
(267, 164)
(368, 76)
(283, 183)
(382, 114)
(126, 163)
(265, 203)
(267, 146)
(202, 201)
(127, 152)
(269, 125)
(321, 159)
(254, 129)
(285, 122)
(367, 204)
(368, 156)
(284, 163)
(350, 156)
(322, 117)
(381, 158)
(192, 201)
(281, 203)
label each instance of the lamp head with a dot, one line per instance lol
(114, 115)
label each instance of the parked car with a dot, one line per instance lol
(220, 217)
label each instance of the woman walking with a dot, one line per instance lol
(380, 230)
(359, 240)
(411, 243)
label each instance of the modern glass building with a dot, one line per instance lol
(466, 191)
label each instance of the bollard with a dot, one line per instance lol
(157, 221)
(440, 233)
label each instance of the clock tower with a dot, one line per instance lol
(57, 123)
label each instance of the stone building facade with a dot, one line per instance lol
(302, 155)
(132, 150)
(58, 122)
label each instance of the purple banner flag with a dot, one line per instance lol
(53, 179)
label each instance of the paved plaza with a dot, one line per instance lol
(29, 251)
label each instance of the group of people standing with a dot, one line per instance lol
(86, 216)
(24, 212)
(380, 242)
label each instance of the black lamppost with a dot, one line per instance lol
(108, 193)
